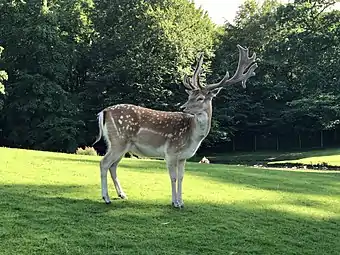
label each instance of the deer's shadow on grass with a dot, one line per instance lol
(50, 218)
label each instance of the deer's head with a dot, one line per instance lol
(200, 97)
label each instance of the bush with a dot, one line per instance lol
(87, 151)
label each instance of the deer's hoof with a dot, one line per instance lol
(177, 205)
(122, 196)
(107, 200)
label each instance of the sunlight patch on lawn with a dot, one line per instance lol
(299, 210)
(333, 160)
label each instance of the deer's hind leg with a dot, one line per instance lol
(111, 157)
(118, 187)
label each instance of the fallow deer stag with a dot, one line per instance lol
(173, 136)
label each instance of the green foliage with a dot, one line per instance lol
(142, 59)
(297, 85)
(90, 151)
(3, 76)
(140, 52)
(40, 110)
(66, 60)
(319, 113)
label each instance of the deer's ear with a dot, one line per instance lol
(214, 92)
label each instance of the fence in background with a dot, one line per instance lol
(279, 142)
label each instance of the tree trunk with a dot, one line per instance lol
(300, 143)
(277, 143)
(255, 143)
(321, 138)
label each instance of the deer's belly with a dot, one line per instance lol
(147, 151)
(190, 150)
(149, 143)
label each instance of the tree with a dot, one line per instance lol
(3, 76)
(297, 49)
(72, 58)
(140, 52)
(41, 111)
(238, 109)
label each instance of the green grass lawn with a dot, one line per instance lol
(51, 204)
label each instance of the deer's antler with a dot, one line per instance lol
(194, 82)
(245, 62)
(241, 75)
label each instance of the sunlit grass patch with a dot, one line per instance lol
(315, 156)
(333, 160)
(51, 204)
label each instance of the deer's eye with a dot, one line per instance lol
(200, 99)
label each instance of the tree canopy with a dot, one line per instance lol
(66, 60)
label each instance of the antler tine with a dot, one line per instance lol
(187, 82)
(243, 63)
(198, 70)
(193, 82)
(199, 79)
(249, 73)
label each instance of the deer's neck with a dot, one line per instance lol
(202, 124)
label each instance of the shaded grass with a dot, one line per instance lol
(50, 204)
(333, 160)
(331, 156)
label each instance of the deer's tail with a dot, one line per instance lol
(100, 125)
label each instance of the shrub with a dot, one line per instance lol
(87, 151)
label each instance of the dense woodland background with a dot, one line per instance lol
(63, 61)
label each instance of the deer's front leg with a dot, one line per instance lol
(172, 167)
(180, 175)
